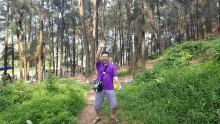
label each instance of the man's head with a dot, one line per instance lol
(105, 57)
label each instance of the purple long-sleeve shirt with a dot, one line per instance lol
(109, 74)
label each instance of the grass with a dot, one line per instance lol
(175, 93)
(122, 74)
(52, 101)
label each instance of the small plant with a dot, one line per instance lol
(122, 74)
(52, 101)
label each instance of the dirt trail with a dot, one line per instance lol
(88, 113)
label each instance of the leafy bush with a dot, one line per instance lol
(51, 101)
(175, 93)
(122, 74)
(180, 95)
(180, 55)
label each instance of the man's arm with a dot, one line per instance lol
(117, 82)
(98, 54)
(102, 45)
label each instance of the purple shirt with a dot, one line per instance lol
(109, 74)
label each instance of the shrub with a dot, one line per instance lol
(180, 95)
(51, 101)
(175, 92)
(122, 74)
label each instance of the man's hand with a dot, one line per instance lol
(102, 44)
(117, 82)
(119, 88)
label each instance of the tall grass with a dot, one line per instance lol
(175, 93)
(52, 101)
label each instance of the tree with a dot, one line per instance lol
(129, 33)
(6, 40)
(143, 34)
(62, 37)
(104, 22)
(82, 19)
(29, 41)
(40, 41)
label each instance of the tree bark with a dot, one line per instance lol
(53, 41)
(57, 52)
(208, 26)
(40, 41)
(152, 33)
(62, 37)
(159, 29)
(85, 38)
(143, 35)
(104, 23)
(6, 41)
(82, 51)
(197, 18)
(94, 34)
(29, 43)
(121, 35)
(13, 70)
(136, 40)
(23, 48)
(74, 43)
(219, 16)
(130, 54)
(50, 42)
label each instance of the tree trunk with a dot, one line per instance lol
(121, 35)
(40, 41)
(57, 52)
(6, 41)
(53, 51)
(19, 51)
(207, 6)
(130, 54)
(143, 35)
(159, 29)
(152, 33)
(18, 42)
(104, 23)
(74, 43)
(114, 46)
(197, 18)
(82, 51)
(13, 70)
(43, 62)
(94, 34)
(65, 61)
(85, 37)
(23, 47)
(29, 43)
(62, 37)
(50, 42)
(192, 27)
(219, 16)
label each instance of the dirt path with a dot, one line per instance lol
(88, 113)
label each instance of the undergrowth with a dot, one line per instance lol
(52, 101)
(175, 91)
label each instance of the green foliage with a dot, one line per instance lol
(52, 101)
(175, 93)
(122, 74)
(180, 55)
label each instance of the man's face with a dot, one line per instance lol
(104, 58)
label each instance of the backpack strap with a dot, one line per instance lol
(104, 72)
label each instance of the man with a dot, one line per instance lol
(108, 90)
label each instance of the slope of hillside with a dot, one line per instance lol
(175, 91)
